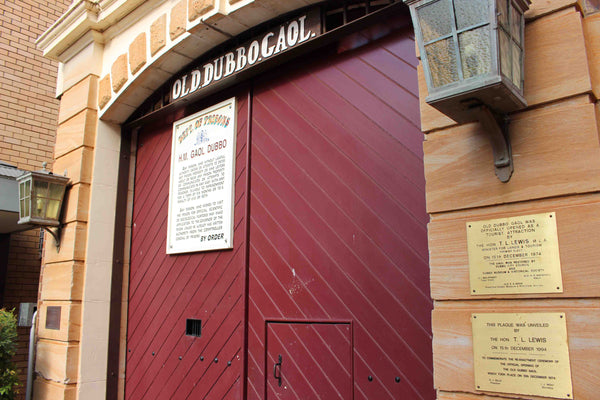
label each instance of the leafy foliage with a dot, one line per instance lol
(8, 346)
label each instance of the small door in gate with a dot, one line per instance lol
(307, 360)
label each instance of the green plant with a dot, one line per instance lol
(8, 346)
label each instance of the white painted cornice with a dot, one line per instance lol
(83, 17)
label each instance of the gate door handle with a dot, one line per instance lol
(277, 364)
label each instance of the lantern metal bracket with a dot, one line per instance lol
(55, 234)
(496, 126)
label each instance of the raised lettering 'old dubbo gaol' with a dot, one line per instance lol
(262, 205)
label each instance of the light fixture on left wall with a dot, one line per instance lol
(41, 195)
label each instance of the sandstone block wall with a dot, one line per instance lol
(556, 152)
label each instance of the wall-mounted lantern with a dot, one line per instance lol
(472, 56)
(41, 196)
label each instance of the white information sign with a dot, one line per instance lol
(201, 194)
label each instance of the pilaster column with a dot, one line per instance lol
(75, 286)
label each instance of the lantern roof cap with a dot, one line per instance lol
(44, 174)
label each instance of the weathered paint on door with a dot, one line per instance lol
(309, 360)
(337, 252)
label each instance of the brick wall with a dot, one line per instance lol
(28, 109)
(28, 118)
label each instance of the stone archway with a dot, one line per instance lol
(113, 54)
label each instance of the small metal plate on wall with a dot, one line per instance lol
(53, 317)
(522, 353)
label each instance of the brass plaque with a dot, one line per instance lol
(523, 353)
(514, 255)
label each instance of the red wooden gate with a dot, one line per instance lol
(165, 291)
(336, 263)
(338, 221)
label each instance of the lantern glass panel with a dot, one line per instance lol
(53, 209)
(515, 24)
(511, 49)
(40, 188)
(56, 191)
(434, 20)
(40, 193)
(503, 13)
(470, 13)
(25, 198)
(505, 54)
(39, 207)
(55, 194)
(441, 57)
(27, 190)
(516, 65)
(475, 52)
